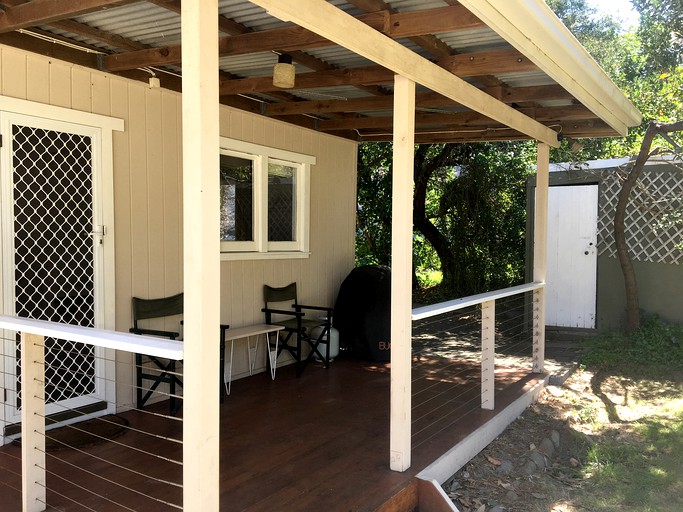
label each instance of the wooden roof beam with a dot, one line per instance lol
(295, 38)
(466, 65)
(532, 27)
(469, 118)
(463, 134)
(431, 43)
(423, 100)
(334, 24)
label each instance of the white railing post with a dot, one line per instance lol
(540, 254)
(488, 354)
(33, 484)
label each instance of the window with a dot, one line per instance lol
(264, 198)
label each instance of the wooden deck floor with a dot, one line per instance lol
(318, 443)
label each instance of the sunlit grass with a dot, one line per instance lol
(635, 466)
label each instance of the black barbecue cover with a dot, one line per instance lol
(362, 313)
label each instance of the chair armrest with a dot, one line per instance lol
(154, 332)
(283, 312)
(315, 308)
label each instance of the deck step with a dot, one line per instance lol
(432, 498)
(405, 500)
(419, 495)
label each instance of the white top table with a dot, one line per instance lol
(248, 332)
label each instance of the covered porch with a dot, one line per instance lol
(385, 76)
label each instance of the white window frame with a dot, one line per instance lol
(260, 247)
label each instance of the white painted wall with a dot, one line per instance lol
(148, 194)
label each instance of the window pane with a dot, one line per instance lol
(281, 203)
(237, 199)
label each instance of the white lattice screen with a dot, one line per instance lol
(654, 216)
(53, 251)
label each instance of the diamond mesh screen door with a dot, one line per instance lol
(54, 258)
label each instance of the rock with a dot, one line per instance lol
(538, 458)
(505, 468)
(511, 496)
(555, 437)
(497, 508)
(547, 447)
(530, 467)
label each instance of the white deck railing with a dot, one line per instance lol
(33, 333)
(487, 301)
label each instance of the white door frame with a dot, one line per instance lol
(99, 129)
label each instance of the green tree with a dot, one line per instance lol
(645, 63)
(468, 205)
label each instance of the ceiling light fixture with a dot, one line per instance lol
(283, 72)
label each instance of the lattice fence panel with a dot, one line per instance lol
(54, 266)
(654, 216)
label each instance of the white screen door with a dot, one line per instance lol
(52, 240)
(572, 256)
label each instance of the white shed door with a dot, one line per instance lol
(572, 256)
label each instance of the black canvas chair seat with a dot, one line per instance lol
(299, 322)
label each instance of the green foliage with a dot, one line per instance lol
(470, 213)
(661, 33)
(656, 344)
(373, 217)
(482, 208)
(647, 64)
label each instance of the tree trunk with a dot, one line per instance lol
(631, 289)
(422, 223)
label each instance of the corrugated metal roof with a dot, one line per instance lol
(155, 26)
(415, 5)
(142, 22)
(473, 40)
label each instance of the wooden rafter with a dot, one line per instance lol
(423, 100)
(458, 119)
(462, 65)
(474, 134)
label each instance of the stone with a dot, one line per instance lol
(530, 468)
(538, 458)
(547, 447)
(555, 437)
(505, 467)
(511, 496)
(497, 508)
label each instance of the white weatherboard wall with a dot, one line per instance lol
(148, 194)
(572, 256)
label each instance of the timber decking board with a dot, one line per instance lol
(315, 443)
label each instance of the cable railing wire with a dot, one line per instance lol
(116, 465)
(459, 332)
(100, 496)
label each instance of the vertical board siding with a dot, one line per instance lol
(148, 194)
(38, 85)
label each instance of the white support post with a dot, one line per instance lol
(201, 256)
(401, 272)
(540, 255)
(33, 483)
(488, 354)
